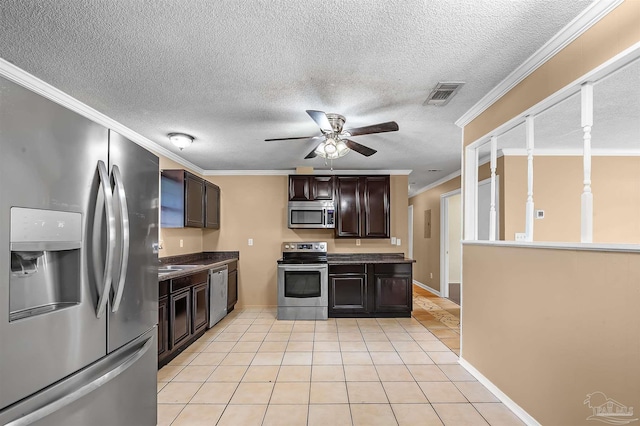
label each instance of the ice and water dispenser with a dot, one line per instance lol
(45, 261)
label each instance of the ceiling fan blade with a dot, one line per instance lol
(287, 139)
(361, 149)
(313, 154)
(321, 120)
(389, 126)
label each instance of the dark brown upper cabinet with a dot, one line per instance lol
(363, 206)
(188, 201)
(211, 205)
(310, 188)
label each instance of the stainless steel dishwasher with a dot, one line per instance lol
(218, 279)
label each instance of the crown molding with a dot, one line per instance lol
(287, 172)
(573, 152)
(581, 23)
(447, 178)
(24, 79)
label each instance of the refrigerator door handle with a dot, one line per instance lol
(105, 184)
(82, 391)
(124, 224)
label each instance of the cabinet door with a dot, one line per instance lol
(348, 294)
(376, 207)
(393, 293)
(200, 310)
(348, 206)
(163, 327)
(194, 201)
(232, 290)
(212, 205)
(321, 187)
(180, 307)
(299, 188)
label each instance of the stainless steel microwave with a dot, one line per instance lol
(311, 214)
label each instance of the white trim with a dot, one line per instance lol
(627, 248)
(426, 287)
(571, 152)
(602, 71)
(410, 236)
(287, 172)
(439, 182)
(508, 402)
(581, 23)
(23, 78)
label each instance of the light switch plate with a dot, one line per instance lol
(393, 241)
(250, 241)
(181, 243)
(399, 241)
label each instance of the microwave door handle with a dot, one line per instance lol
(111, 238)
(124, 226)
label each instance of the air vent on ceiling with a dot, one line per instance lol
(443, 92)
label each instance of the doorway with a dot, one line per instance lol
(450, 245)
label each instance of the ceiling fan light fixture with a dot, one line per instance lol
(181, 140)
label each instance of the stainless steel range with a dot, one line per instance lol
(303, 283)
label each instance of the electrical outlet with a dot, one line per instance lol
(393, 241)
(431, 275)
(181, 243)
(399, 242)
(357, 242)
(521, 236)
(250, 241)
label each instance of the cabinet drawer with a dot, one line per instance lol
(346, 269)
(393, 268)
(184, 282)
(164, 288)
(232, 266)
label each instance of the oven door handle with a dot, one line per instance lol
(304, 267)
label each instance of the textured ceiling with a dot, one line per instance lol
(232, 73)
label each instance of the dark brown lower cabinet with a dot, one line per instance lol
(232, 286)
(370, 290)
(163, 326)
(183, 314)
(200, 304)
(180, 306)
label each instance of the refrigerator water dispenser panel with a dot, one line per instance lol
(45, 261)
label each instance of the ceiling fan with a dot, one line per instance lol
(335, 143)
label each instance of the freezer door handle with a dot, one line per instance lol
(124, 226)
(105, 184)
(70, 398)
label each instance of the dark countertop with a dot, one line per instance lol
(358, 258)
(201, 261)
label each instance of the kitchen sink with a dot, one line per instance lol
(172, 268)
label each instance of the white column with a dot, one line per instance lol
(586, 227)
(492, 210)
(529, 210)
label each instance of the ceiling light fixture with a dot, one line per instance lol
(181, 140)
(332, 148)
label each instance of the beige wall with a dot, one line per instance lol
(549, 327)
(256, 207)
(557, 184)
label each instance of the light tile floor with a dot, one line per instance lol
(251, 369)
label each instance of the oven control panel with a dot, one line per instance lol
(305, 247)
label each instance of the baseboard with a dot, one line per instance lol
(517, 410)
(426, 287)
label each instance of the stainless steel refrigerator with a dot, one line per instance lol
(78, 271)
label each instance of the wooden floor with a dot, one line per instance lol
(439, 315)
